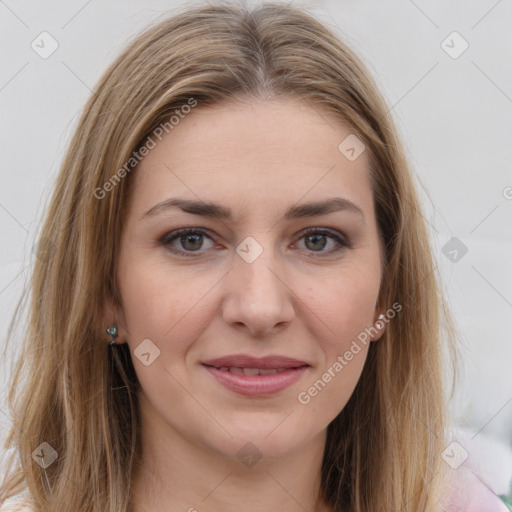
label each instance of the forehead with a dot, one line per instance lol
(254, 152)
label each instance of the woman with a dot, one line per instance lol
(234, 304)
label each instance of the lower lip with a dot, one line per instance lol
(257, 385)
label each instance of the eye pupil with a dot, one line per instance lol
(186, 238)
(316, 237)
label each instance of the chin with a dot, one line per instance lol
(258, 440)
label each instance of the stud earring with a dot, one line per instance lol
(113, 332)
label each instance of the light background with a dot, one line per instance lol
(454, 114)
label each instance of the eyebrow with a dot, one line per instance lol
(217, 211)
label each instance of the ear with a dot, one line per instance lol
(113, 314)
(379, 324)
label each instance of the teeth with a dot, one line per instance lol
(267, 372)
(252, 371)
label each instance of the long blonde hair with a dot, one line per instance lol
(71, 391)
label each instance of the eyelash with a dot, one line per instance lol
(173, 235)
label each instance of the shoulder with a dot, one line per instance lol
(466, 492)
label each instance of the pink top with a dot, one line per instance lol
(466, 492)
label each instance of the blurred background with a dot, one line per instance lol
(445, 69)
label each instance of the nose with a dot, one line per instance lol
(257, 297)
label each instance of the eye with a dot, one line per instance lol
(191, 240)
(315, 240)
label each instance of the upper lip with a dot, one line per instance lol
(246, 361)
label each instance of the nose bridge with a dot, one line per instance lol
(259, 273)
(257, 295)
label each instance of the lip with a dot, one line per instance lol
(288, 371)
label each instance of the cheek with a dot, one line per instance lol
(166, 307)
(345, 306)
(326, 394)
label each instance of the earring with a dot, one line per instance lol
(113, 332)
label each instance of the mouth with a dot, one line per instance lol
(247, 362)
(252, 376)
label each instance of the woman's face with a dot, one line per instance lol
(248, 281)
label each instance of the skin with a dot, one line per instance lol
(299, 298)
